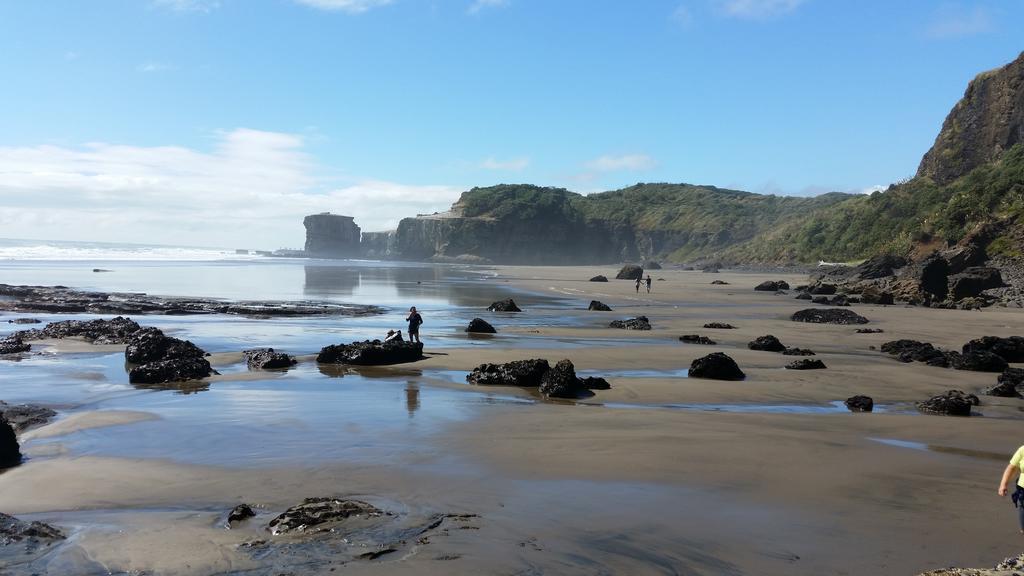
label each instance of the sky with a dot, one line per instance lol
(222, 122)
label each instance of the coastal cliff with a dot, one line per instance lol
(331, 235)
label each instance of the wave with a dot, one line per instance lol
(101, 251)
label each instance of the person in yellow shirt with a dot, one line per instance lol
(1015, 468)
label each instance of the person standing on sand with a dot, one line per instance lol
(648, 283)
(414, 321)
(638, 280)
(1015, 468)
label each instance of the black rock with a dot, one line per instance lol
(599, 306)
(772, 286)
(518, 373)
(933, 276)
(595, 383)
(638, 323)
(873, 295)
(25, 321)
(13, 344)
(697, 339)
(914, 351)
(823, 289)
(1004, 389)
(828, 316)
(630, 272)
(719, 282)
(952, 403)
(880, 266)
(21, 417)
(797, 352)
(1011, 349)
(599, 278)
(170, 370)
(1013, 375)
(820, 300)
(13, 531)
(973, 281)
(803, 296)
(113, 331)
(150, 344)
(839, 300)
(268, 359)
(321, 514)
(10, 451)
(719, 326)
(767, 343)
(868, 331)
(806, 364)
(240, 513)
(480, 326)
(860, 403)
(507, 305)
(979, 361)
(371, 353)
(716, 366)
(561, 381)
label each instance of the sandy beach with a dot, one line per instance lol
(661, 474)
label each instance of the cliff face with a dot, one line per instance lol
(984, 124)
(379, 245)
(331, 235)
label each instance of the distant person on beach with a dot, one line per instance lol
(1015, 468)
(638, 280)
(414, 321)
(648, 283)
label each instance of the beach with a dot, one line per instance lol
(661, 474)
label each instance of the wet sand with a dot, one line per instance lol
(639, 479)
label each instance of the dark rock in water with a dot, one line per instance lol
(150, 344)
(979, 361)
(652, 265)
(630, 272)
(823, 289)
(170, 370)
(914, 351)
(113, 331)
(820, 300)
(507, 305)
(797, 352)
(1003, 389)
(767, 343)
(772, 286)
(697, 339)
(933, 276)
(240, 513)
(860, 403)
(13, 531)
(973, 281)
(518, 373)
(1013, 375)
(13, 345)
(21, 417)
(480, 326)
(806, 364)
(719, 282)
(268, 359)
(599, 278)
(828, 316)
(880, 266)
(803, 296)
(10, 451)
(595, 383)
(719, 326)
(599, 306)
(101, 270)
(716, 366)
(1011, 349)
(561, 381)
(321, 514)
(952, 403)
(839, 300)
(371, 353)
(868, 331)
(638, 323)
(872, 295)
(25, 321)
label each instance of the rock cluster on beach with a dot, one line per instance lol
(719, 326)
(480, 326)
(559, 381)
(599, 278)
(696, 339)
(716, 366)
(13, 344)
(599, 306)
(806, 364)
(977, 355)
(506, 305)
(21, 417)
(13, 530)
(630, 272)
(10, 450)
(267, 359)
(321, 514)
(950, 403)
(371, 353)
(158, 358)
(772, 286)
(860, 403)
(828, 316)
(638, 323)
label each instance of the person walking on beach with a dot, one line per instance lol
(648, 283)
(1015, 468)
(638, 280)
(414, 321)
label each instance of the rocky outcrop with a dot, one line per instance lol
(21, 417)
(379, 245)
(506, 305)
(630, 272)
(599, 278)
(331, 235)
(268, 359)
(638, 323)
(371, 353)
(159, 358)
(914, 351)
(599, 306)
(767, 343)
(240, 513)
(561, 382)
(986, 122)
(13, 344)
(719, 283)
(772, 286)
(828, 316)
(806, 364)
(868, 331)
(316, 515)
(13, 530)
(719, 326)
(697, 339)
(860, 403)
(798, 352)
(173, 370)
(1011, 349)
(526, 373)
(99, 331)
(10, 451)
(972, 282)
(480, 326)
(717, 366)
(978, 361)
(951, 403)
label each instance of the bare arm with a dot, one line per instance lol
(1007, 475)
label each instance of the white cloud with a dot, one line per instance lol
(758, 9)
(251, 190)
(512, 164)
(153, 67)
(630, 162)
(479, 5)
(351, 6)
(957, 21)
(872, 189)
(187, 5)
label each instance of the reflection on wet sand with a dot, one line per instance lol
(412, 397)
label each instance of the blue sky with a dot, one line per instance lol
(133, 114)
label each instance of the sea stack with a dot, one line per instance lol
(331, 235)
